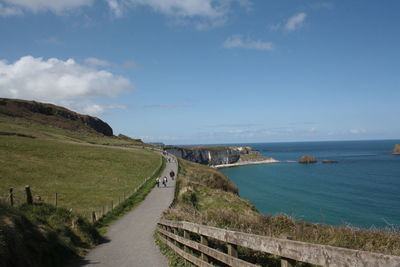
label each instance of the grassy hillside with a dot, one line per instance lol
(85, 168)
(208, 197)
(55, 150)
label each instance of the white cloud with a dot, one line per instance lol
(274, 27)
(55, 81)
(357, 131)
(7, 11)
(96, 62)
(237, 41)
(187, 8)
(295, 22)
(246, 4)
(57, 6)
(204, 14)
(115, 7)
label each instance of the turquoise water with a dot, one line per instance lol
(362, 189)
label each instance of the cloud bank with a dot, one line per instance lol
(56, 81)
(57, 6)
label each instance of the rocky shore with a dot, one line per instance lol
(242, 163)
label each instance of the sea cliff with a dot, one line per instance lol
(219, 156)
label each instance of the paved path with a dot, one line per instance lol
(131, 241)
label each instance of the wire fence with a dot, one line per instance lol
(20, 195)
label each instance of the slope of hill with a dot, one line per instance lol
(56, 154)
(63, 153)
(52, 115)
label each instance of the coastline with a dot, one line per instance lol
(243, 163)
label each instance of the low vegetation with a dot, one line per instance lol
(208, 197)
(42, 235)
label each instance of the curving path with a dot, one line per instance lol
(131, 241)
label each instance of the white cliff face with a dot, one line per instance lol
(209, 156)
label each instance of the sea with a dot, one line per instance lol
(362, 189)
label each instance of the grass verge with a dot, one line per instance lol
(42, 235)
(173, 258)
(129, 203)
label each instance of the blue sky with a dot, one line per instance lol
(210, 71)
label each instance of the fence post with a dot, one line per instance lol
(186, 235)
(287, 262)
(28, 192)
(11, 197)
(56, 200)
(93, 217)
(176, 233)
(112, 205)
(103, 211)
(204, 241)
(232, 250)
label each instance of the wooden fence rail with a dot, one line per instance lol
(290, 251)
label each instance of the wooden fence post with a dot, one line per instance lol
(11, 197)
(232, 250)
(287, 262)
(112, 205)
(28, 192)
(103, 211)
(176, 233)
(93, 217)
(56, 199)
(204, 241)
(186, 235)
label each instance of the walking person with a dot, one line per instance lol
(165, 181)
(172, 174)
(158, 182)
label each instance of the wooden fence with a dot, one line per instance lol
(178, 234)
(13, 197)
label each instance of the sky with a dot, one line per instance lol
(210, 71)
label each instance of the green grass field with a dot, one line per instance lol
(85, 173)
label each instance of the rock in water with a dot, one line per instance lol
(396, 150)
(329, 161)
(307, 159)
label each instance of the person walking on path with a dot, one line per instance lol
(158, 181)
(172, 174)
(165, 181)
(130, 241)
